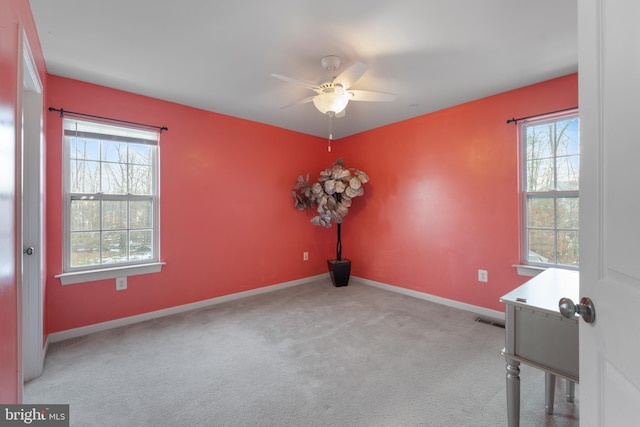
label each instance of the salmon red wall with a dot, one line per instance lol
(227, 218)
(442, 202)
(443, 198)
(15, 16)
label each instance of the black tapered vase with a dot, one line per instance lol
(340, 270)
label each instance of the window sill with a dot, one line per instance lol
(109, 273)
(528, 270)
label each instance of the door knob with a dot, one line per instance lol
(29, 251)
(585, 309)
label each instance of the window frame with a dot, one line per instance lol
(554, 194)
(79, 274)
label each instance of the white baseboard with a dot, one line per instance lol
(98, 327)
(485, 312)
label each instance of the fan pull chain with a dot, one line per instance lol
(330, 132)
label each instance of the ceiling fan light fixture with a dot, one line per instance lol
(331, 103)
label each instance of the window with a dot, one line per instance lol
(551, 151)
(110, 196)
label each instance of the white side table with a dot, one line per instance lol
(538, 335)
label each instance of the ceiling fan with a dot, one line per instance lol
(333, 93)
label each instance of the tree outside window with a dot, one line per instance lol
(111, 195)
(551, 148)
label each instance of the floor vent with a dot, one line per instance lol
(490, 322)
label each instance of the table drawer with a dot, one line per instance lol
(546, 339)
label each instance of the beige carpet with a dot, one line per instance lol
(310, 355)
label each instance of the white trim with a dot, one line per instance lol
(30, 178)
(125, 321)
(568, 114)
(98, 327)
(18, 204)
(75, 123)
(108, 273)
(528, 270)
(493, 314)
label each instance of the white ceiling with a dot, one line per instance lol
(218, 55)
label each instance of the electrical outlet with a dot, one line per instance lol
(121, 283)
(305, 256)
(483, 276)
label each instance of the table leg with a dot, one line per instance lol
(549, 392)
(571, 391)
(513, 392)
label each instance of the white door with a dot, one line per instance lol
(609, 98)
(30, 171)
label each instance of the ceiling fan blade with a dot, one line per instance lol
(368, 95)
(300, 102)
(295, 81)
(351, 74)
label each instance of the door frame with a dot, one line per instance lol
(30, 206)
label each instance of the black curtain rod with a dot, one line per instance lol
(61, 111)
(515, 121)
